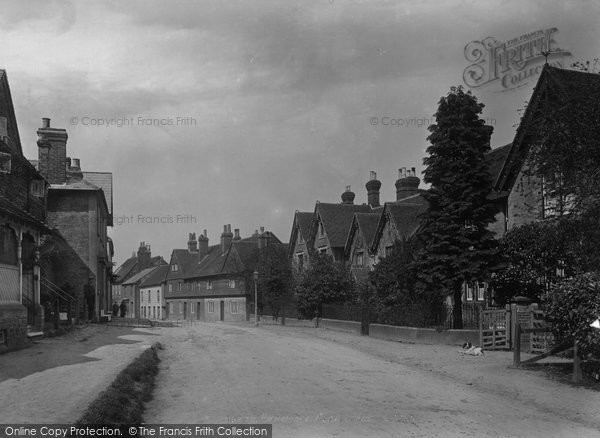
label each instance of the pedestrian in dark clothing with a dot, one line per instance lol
(123, 309)
(89, 292)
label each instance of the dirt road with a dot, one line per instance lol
(314, 383)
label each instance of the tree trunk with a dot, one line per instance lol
(457, 317)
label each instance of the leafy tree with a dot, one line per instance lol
(323, 281)
(393, 278)
(573, 304)
(393, 290)
(275, 277)
(457, 245)
(539, 255)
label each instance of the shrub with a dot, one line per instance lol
(123, 401)
(573, 305)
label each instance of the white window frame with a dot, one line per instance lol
(469, 292)
(234, 307)
(231, 284)
(209, 285)
(211, 306)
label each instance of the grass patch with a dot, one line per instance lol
(123, 401)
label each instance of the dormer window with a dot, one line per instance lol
(231, 284)
(5, 162)
(174, 268)
(37, 188)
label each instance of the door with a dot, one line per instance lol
(198, 310)
(222, 310)
(185, 310)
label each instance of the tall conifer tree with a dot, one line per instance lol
(456, 244)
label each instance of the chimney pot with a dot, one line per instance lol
(45, 122)
(262, 230)
(373, 186)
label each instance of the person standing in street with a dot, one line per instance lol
(89, 292)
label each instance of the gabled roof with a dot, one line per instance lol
(565, 85)
(304, 220)
(7, 110)
(123, 272)
(139, 276)
(336, 219)
(366, 225)
(301, 225)
(404, 215)
(240, 256)
(156, 277)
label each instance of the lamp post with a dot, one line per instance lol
(256, 298)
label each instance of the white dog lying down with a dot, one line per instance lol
(471, 350)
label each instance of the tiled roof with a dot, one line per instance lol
(139, 276)
(406, 217)
(7, 110)
(11, 210)
(123, 272)
(304, 220)
(565, 85)
(367, 222)
(495, 160)
(156, 277)
(241, 256)
(337, 219)
(104, 180)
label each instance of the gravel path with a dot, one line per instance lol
(314, 383)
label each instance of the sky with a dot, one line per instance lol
(242, 112)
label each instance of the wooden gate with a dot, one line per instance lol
(494, 329)
(540, 341)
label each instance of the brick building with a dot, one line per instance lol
(79, 210)
(214, 283)
(152, 294)
(23, 200)
(140, 260)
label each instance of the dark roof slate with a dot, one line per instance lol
(337, 219)
(156, 277)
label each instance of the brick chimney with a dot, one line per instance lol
(237, 234)
(226, 238)
(373, 186)
(192, 244)
(144, 256)
(74, 173)
(407, 184)
(203, 244)
(348, 196)
(52, 153)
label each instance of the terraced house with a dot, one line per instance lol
(214, 283)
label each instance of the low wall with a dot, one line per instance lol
(13, 326)
(423, 335)
(339, 325)
(292, 322)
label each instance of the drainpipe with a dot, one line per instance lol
(19, 257)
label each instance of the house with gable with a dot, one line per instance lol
(215, 282)
(527, 199)
(138, 261)
(131, 288)
(152, 294)
(23, 197)
(299, 251)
